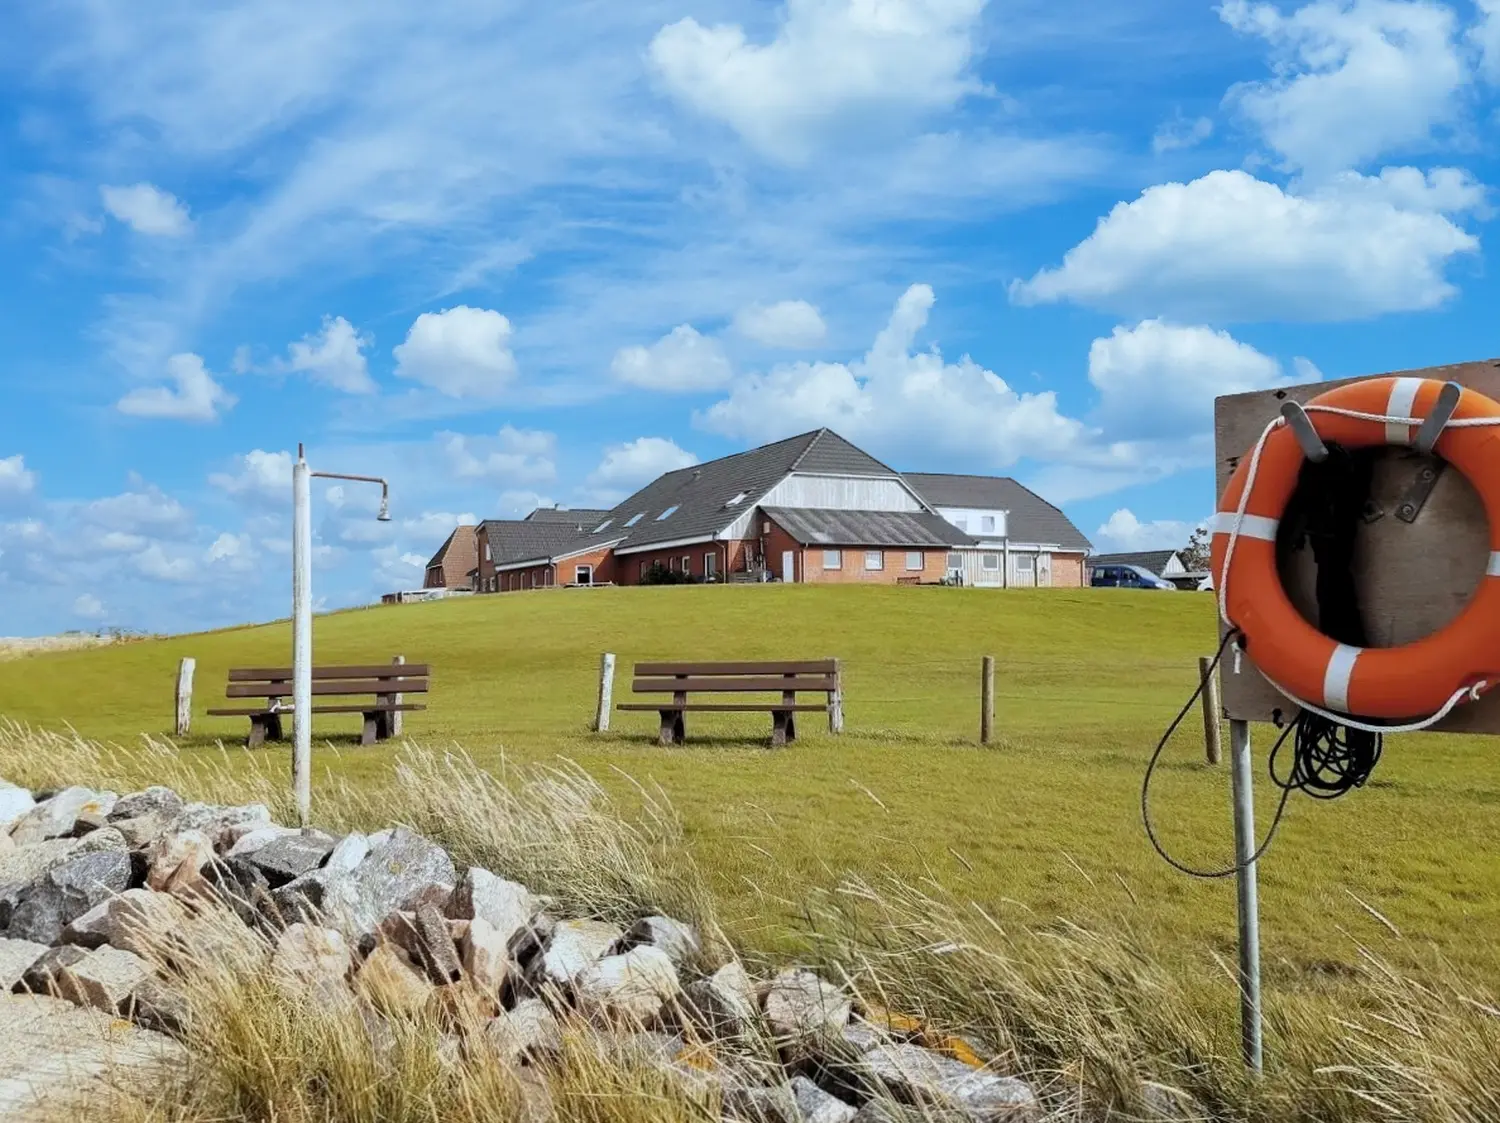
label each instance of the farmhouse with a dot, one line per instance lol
(454, 561)
(812, 508)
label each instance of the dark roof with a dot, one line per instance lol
(515, 540)
(1031, 518)
(586, 517)
(1153, 561)
(819, 527)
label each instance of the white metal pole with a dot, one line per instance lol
(1246, 899)
(302, 638)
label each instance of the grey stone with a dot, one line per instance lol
(25, 864)
(347, 854)
(286, 858)
(56, 817)
(104, 979)
(105, 838)
(42, 976)
(155, 800)
(725, 1002)
(139, 831)
(675, 938)
(888, 1111)
(14, 803)
(6, 845)
(526, 1032)
(395, 875)
(800, 1005)
(818, 1106)
(1165, 1102)
(754, 1103)
(390, 982)
(254, 838)
(241, 887)
(216, 821)
(16, 958)
(633, 986)
(137, 920)
(67, 891)
(484, 954)
(920, 1076)
(435, 948)
(176, 857)
(310, 957)
(507, 906)
(574, 946)
(160, 1006)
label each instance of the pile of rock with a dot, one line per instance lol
(107, 902)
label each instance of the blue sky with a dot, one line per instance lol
(506, 252)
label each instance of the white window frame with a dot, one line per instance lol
(987, 524)
(667, 513)
(961, 522)
(687, 564)
(878, 557)
(710, 564)
(985, 560)
(579, 571)
(833, 559)
(1025, 563)
(487, 552)
(921, 561)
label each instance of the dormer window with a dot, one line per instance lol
(666, 513)
(635, 519)
(738, 499)
(603, 526)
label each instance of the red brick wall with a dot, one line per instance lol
(627, 567)
(809, 563)
(1067, 571)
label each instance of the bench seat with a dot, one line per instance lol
(676, 681)
(721, 708)
(336, 688)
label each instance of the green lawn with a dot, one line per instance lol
(1046, 820)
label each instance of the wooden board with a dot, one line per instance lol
(1413, 578)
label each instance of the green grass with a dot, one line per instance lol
(1043, 824)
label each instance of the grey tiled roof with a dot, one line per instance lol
(1032, 519)
(1153, 561)
(819, 527)
(586, 517)
(515, 540)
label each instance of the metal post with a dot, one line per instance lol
(185, 697)
(302, 638)
(1211, 730)
(1248, 906)
(606, 691)
(987, 700)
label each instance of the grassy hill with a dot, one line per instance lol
(1043, 824)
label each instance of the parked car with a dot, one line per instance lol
(1206, 585)
(1128, 577)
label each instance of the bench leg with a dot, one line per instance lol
(791, 726)
(780, 723)
(273, 728)
(673, 727)
(371, 732)
(258, 729)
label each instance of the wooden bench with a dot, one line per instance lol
(384, 682)
(820, 676)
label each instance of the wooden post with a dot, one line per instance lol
(606, 691)
(987, 701)
(394, 724)
(1211, 709)
(185, 696)
(836, 700)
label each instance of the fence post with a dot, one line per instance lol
(185, 696)
(987, 701)
(1211, 709)
(606, 691)
(836, 699)
(1246, 893)
(396, 715)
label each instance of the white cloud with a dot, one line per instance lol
(148, 210)
(788, 323)
(518, 503)
(894, 398)
(15, 478)
(1123, 532)
(1353, 81)
(513, 456)
(831, 63)
(1181, 133)
(1229, 247)
(157, 564)
(120, 542)
(435, 526)
(258, 475)
(462, 352)
(194, 395)
(1158, 379)
(88, 606)
(635, 463)
(334, 356)
(1485, 34)
(146, 510)
(681, 360)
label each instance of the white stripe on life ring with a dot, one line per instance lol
(1253, 526)
(1493, 569)
(1336, 677)
(1399, 404)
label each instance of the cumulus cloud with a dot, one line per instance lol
(896, 398)
(831, 62)
(1232, 248)
(1123, 532)
(334, 356)
(147, 210)
(260, 476)
(1158, 379)
(192, 396)
(16, 479)
(626, 467)
(512, 456)
(1180, 132)
(681, 360)
(462, 352)
(88, 607)
(1485, 35)
(515, 503)
(1353, 81)
(788, 323)
(159, 564)
(144, 510)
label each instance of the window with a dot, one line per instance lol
(710, 564)
(486, 551)
(955, 561)
(960, 522)
(603, 526)
(914, 559)
(687, 563)
(672, 563)
(633, 519)
(643, 571)
(833, 559)
(990, 561)
(667, 513)
(1025, 563)
(738, 499)
(874, 559)
(583, 575)
(987, 523)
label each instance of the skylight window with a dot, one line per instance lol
(633, 519)
(666, 513)
(603, 526)
(740, 498)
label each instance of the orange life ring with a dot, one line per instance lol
(1417, 678)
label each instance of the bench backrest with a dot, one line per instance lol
(819, 675)
(382, 678)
